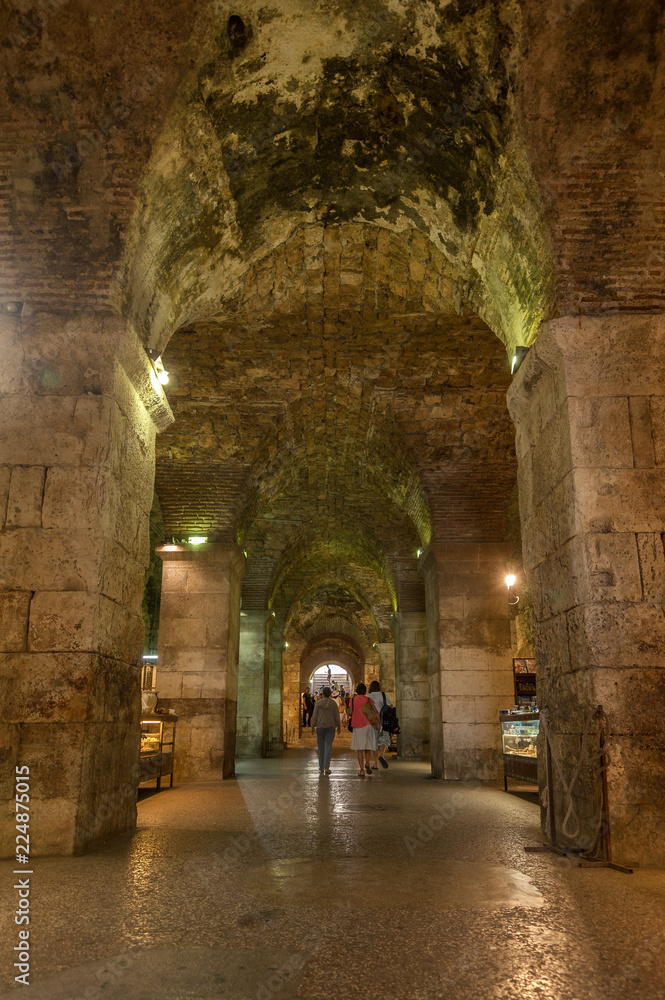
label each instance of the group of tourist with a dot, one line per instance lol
(368, 736)
(309, 700)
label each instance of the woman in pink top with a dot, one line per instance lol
(363, 737)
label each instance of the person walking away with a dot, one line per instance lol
(325, 721)
(308, 708)
(363, 736)
(381, 701)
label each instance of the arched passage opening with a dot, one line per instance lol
(330, 675)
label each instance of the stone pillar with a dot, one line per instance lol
(292, 694)
(275, 703)
(387, 668)
(589, 409)
(410, 629)
(252, 684)
(197, 675)
(78, 416)
(428, 569)
(469, 646)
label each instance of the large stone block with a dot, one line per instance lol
(62, 621)
(612, 570)
(75, 431)
(600, 433)
(609, 356)
(651, 555)
(35, 559)
(620, 500)
(14, 610)
(26, 492)
(460, 735)
(182, 633)
(552, 646)
(48, 687)
(5, 477)
(74, 498)
(617, 635)
(632, 699)
(473, 764)
(458, 710)
(11, 372)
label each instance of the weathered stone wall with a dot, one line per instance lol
(197, 674)
(467, 597)
(253, 680)
(291, 694)
(275, 702)
(589, 408)
(387, 669)
(76, 481)
(412, 684)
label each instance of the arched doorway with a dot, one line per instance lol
(330, 675)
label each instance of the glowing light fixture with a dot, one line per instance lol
(150, 657)
(419, 553)
(162, 374)
(510, 582)
(159, 373)
(286, 645)
(197, 539)
(518, 358)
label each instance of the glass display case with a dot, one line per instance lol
(157, 748)
(519, 739)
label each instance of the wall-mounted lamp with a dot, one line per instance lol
(11, 308)
(158, 368)
(419, 553)
(518, 357)
(286, 645)
(272, 613)
(197, 540)
(510, 582)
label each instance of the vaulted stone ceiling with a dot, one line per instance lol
(317, 205)
(345, 420)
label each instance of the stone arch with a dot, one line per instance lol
(428, 140)
(329, 647)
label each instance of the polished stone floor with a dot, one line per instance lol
(285, 885)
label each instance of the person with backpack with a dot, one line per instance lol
(381, 702)
(364, 718)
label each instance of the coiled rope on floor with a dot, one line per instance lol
(598, 762)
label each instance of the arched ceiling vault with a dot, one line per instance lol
(87, 143)
(400, 117)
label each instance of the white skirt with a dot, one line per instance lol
(364, 738)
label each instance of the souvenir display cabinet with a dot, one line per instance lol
(519, 739)
(157, 748)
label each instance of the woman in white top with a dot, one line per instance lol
(380, 700)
